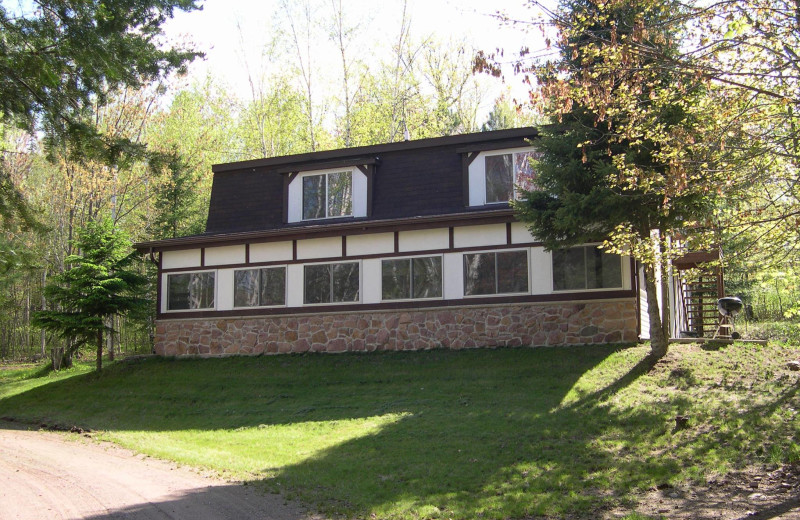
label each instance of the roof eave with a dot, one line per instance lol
(327, 155)
(352, 227)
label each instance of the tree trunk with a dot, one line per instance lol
(659, 341)
(110, 339)
(99, 350)
(42, 334)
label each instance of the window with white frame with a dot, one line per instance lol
(411, 278)
(190, 291)
(586, 267)
(259, 287)
(508, 175)
(327, 195)
(331, 283)
(502, 272)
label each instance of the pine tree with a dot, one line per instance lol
(98, 285)
(596, 180)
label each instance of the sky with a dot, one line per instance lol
(233, 33)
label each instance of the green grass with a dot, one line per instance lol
(504, 433)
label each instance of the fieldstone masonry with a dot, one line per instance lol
(452, 328)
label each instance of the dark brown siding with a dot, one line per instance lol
(416, 184)
(407, 182)
(248, 200)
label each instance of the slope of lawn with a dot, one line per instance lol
(504, 433)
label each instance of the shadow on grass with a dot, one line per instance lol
(228, 502)
(477, 433)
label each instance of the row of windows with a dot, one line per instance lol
(420, 278)
(330, 194)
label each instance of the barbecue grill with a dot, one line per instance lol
(728, 307)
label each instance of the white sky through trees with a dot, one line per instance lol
(234, 33)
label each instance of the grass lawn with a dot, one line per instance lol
(504, 433)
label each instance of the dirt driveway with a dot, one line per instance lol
(53, 476)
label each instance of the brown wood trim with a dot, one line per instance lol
(344, 245)
(356, 162)
(286, 182)
(350, 226)
(396, 241)
(421, 305)
(695, 259)
(202, 257)
(396, 253)
(247, 253)
(294, 250)
(466, 160)
(508, 233)
(637, 288)
(158, 283)
(521, 142)
(370, 174)
(451, 237)
(311, 159)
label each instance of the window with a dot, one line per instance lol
(495, 273)
(507, 175)
(331, 283)
(586, 267)
(189, 291)
(412, 278)
(259, 287)
(328, 195)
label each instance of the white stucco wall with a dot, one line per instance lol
(179, 259)
(225, 255)
(294, 285)
(520, 234)
(330, 247)
(453, 275)
(480, 236)
(425, 239)
(379, 243)
(371, 281)
(224, 295)
(271, 252)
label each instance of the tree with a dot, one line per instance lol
(614, 167)
(745, 54)
(174, 204)
(98, 285)
(507, 114)
(63, 58)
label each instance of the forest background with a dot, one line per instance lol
(408, 85)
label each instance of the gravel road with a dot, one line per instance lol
(55, 476)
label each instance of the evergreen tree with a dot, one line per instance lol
(61, 58)
(98, 285)
(595, 180)
(175, 201)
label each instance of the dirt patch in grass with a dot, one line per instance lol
(755, 490)
(754, 494)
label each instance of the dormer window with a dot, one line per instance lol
(498, 177)
(507, 176)
(328, 195)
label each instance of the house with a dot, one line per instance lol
(400, 246)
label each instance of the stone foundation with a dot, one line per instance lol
(451, 328)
